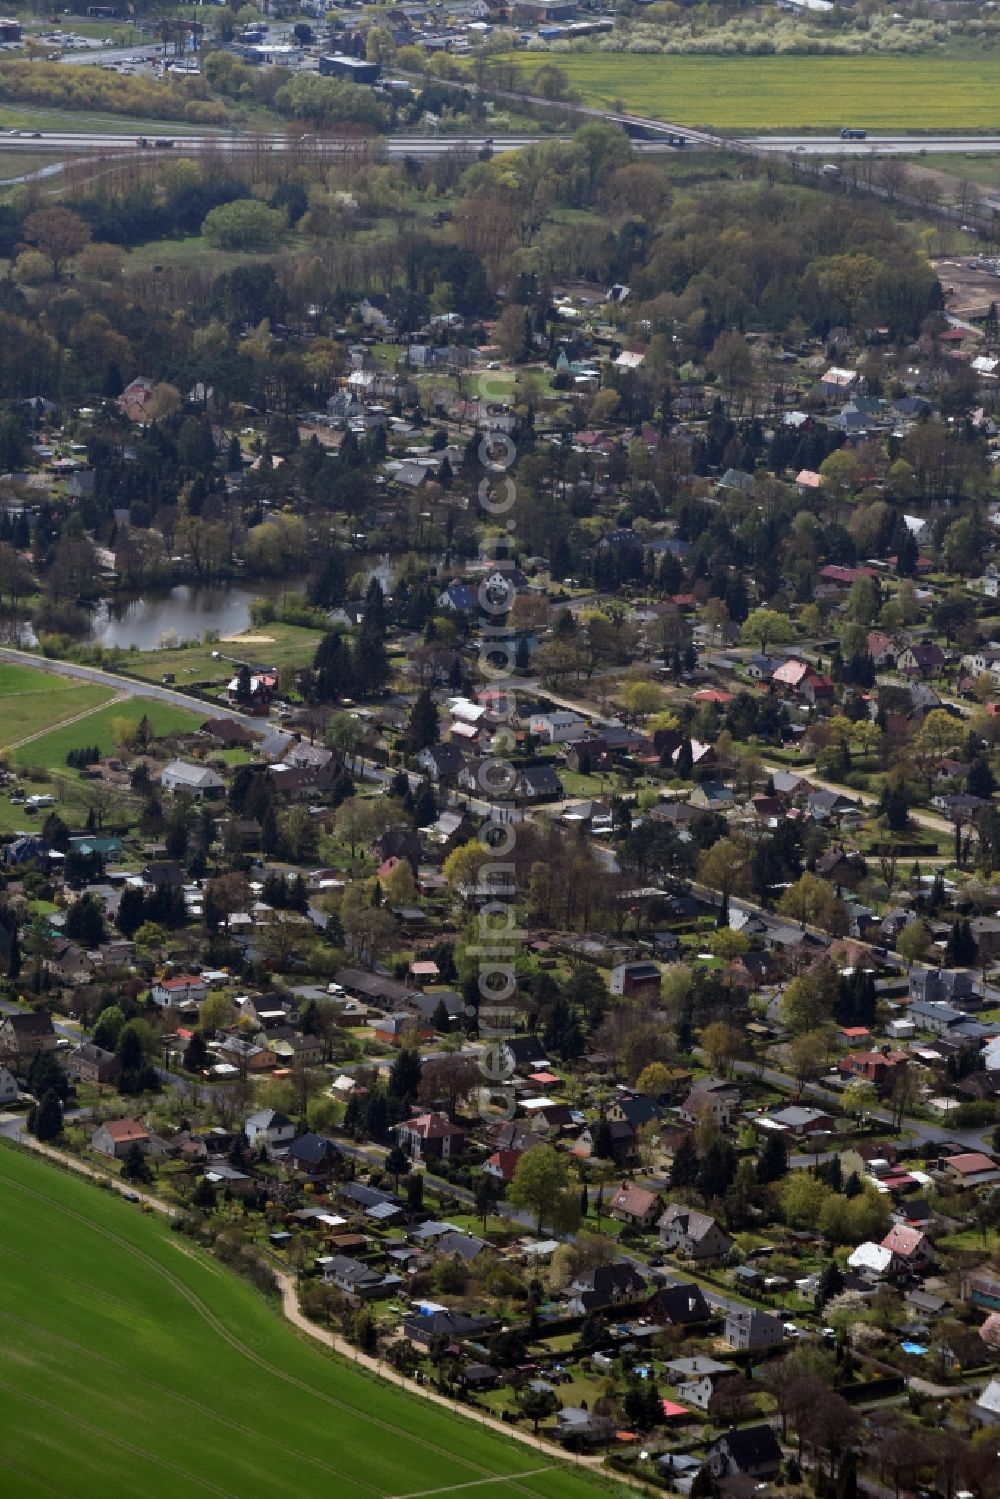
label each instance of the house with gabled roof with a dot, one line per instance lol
(636, 1205)
(431, 1137)
(116, 1137)
(752, 1451)
(696, 1235)
(910, 1246)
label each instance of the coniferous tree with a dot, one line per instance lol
(423, 728)
(685, 1165)
(47, 1120)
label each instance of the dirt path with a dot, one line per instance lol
(292, 1311)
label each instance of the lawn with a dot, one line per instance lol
(791, 93)
(37, 700)
(51, 750)
(271, 645)
(131, 1364)
(45, 117)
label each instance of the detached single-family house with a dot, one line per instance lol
(116, 1137)
(557, 728)
(92, 1064)
(184, 989)
(921, 660)
(680, 1305)
(694, 1234)
(712, 1095)
(269, 1128)
(604, 1285)
(636, 1205)
(537, 783)
(697, 1377)
(752, 1451)
(910, 1247)
(431, 1137)
(313, 1155)
(636, 980)
(24, 1035)
(359, 1282)
(8, 1086)
(197, 781)
(749, 1329)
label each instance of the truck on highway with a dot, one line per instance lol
(849, 133)
(164, 142)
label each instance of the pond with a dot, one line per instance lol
(187, 609)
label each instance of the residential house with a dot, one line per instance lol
(197, 781)
(228, 733)
(185, 989)
(314, 1156)
(116, 1137)
(357, 1281)
(92, 1064)
(680, 1305)
(456, 1327)
(502, 1164)
(987, 1407)
(431, 1137)
(800, 1121)
(802, 679)
(537, 783)
(878, 1067)
(884, 649)
(971, 1168)
(712, 796)
(25, 1034)
(924, 660)
(636, 980)
(636, 1111)
(981, 1288)
(910, 1247)
(715, 1095)
(636, 1205)
(397, 1030)
(949, 984)
(603, 1286)
(270, 1129)
(68, 963)
(8, 1086)
(692, 1234)
(750, 1329)
(135, 398)
(441, 762)
(751, 1450)
(986, 933)
(697, 1377)
(557, 728)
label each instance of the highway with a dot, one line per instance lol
(72, 143)
(874, 145)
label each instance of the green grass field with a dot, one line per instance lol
(31, 701)
(51, 750)
(130, 1364)
(272, 645)
(929, 93)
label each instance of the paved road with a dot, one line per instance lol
(874, 145)
(130, 685)
(924, 1133)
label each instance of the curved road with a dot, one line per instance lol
(133, 686)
